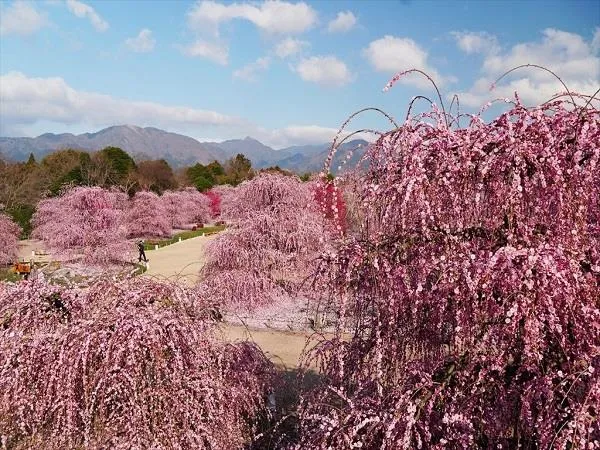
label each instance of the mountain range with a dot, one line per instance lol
(177, 149)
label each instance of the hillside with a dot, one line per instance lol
(177, 149)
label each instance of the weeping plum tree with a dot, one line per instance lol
(276, 232)
(146, 216)
(269, 193)
(202, 205)
(84, 224)
(127, 364)
(471, 292)
(186, 207)
(9, 239)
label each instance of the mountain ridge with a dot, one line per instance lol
(179, 150)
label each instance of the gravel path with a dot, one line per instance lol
(181, 261)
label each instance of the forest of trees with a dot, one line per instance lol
(24, 184)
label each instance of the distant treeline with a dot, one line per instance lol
(23, 184)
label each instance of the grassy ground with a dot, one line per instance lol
(150, 244)
(7, 274)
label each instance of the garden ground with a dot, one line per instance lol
(182, 261)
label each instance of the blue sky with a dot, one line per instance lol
(285, 73)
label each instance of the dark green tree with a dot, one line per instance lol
(122, 166)
(205, 177)
(238, 169)
(31, 161)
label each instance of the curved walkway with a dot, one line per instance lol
(180, 261)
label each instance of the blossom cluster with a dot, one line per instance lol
(471, 289)
(129, 363)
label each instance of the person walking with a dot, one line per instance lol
(142, 254)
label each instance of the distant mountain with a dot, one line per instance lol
(312, 158)
(260, 154)
(177, 149)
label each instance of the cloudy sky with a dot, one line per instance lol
(285, 73)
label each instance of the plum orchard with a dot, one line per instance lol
(473, 289)
(9, 239)
(92, 225)
(129, 364)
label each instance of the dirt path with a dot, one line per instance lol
(282, 347)
(33, 249)
(181, 261)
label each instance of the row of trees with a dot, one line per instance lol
(233, 172)
(277, 216)
(94, 225)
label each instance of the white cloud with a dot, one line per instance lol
(216, 52)
(289, 47)
(83, 10)
(142, 43)
(569, 55)
(21, 18)
(26, 101)
(301, 135)
(249, 71)
(344, 21)
(596, 41)
(479, 42)
(272, 16)
(324, 70)
(28, 106)
(394, 54)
